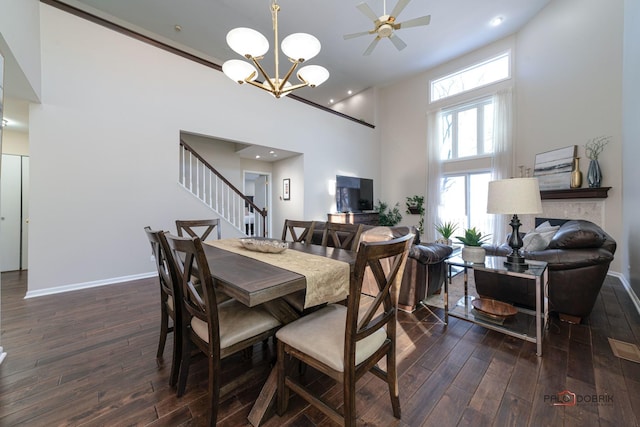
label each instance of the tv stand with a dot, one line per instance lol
(366, 218)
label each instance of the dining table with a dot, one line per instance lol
(266, 279)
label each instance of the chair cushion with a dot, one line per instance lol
(321, 335)
(237, 323)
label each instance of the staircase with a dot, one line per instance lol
(207, 184)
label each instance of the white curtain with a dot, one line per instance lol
(434, 174)
(502, 160)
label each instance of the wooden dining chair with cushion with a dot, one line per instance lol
(343, 236)
(201, 228)
(170, 307)
(346, 342)
(299, 231)
(216, 329)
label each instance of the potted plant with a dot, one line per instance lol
(446, 230)
(473, 250)
(415, 206)
(388, 216)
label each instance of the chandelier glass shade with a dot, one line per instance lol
(251, 44)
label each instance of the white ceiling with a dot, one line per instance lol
(457, 27)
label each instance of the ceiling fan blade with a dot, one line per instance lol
(354, 35)
(367, 11)
(416, 22)
(399, 8)
(372, 46)
(397, 41)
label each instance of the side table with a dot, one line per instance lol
(525, 324)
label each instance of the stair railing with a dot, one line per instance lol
(207, 184)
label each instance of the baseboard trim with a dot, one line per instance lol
(627, 287)
(87, 285)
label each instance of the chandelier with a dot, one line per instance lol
(251, 44)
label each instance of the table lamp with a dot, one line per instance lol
(514, 196)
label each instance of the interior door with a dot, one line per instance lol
(261, 198)
(10, 212)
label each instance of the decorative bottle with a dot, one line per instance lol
(576, 175)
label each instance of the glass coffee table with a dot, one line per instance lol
(525, 324)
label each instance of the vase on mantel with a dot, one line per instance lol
(594, 175)
(576, 175)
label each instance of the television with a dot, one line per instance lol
(354, 194)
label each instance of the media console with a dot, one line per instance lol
(367, 218)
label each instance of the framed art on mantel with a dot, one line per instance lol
(553, 168)
(286, 189)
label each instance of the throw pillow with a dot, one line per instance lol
(538, 239)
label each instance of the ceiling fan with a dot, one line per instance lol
(385, 25)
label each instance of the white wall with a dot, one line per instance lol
(631, 150)
(15, 142)
(20, 45)
(104, 148)
(568, 68)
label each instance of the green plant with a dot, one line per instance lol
(594, 147)
(388, 216)
(473, 237)
(415, 206)
(446, 229)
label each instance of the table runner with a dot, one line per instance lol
(327, 279)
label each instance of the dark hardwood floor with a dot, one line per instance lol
(88, 358)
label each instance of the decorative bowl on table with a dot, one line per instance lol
(263, 244)
(493, 307)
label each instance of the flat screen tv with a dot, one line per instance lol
(354, 194)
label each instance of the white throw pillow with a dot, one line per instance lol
(539, 238)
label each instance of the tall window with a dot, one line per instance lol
(467, 143)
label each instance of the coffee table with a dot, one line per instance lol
(525, 324)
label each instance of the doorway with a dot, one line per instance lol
(14, 212)
(257, 185)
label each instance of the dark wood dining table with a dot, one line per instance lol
(254, 282)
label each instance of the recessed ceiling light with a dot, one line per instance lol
(331, 101)
(258, 156)
(349, 92)
(272, 152)
(178, 28)
(496, 21)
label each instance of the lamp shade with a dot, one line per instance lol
(300, 46)
(239, 71)
(315, 75)
(245, 41)
(514, 196)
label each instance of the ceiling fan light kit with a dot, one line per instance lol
(386, 25)
(251, 44)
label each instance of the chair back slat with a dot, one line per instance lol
(169, 282)
(300, 231)
(343, 236)
(386, 261)
(194, 227)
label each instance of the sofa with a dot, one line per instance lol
(424, 271)
(578, 253)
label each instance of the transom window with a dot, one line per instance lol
(467, 131)
(490, 71)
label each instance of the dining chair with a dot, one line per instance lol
(201, 228)
(216, 329)
(344, 343)
(343, 236)
(170, 306)
(300, 231)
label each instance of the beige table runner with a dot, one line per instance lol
(327, 279)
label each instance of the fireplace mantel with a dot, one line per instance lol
(576, 193)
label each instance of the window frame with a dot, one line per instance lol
(480, 105)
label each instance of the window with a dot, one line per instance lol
(464, 200)
(491, 71)
(467, 131)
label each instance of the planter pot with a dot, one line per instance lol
(474, 254)
(414, 210)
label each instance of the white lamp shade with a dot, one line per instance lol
(514, 196)
(239, 71)
(300, 46)
(315, 75)
(245, 41)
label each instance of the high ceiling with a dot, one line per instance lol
(457, 27)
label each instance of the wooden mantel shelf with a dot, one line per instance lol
(576, 193)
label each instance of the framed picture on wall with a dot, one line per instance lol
(286, 189)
